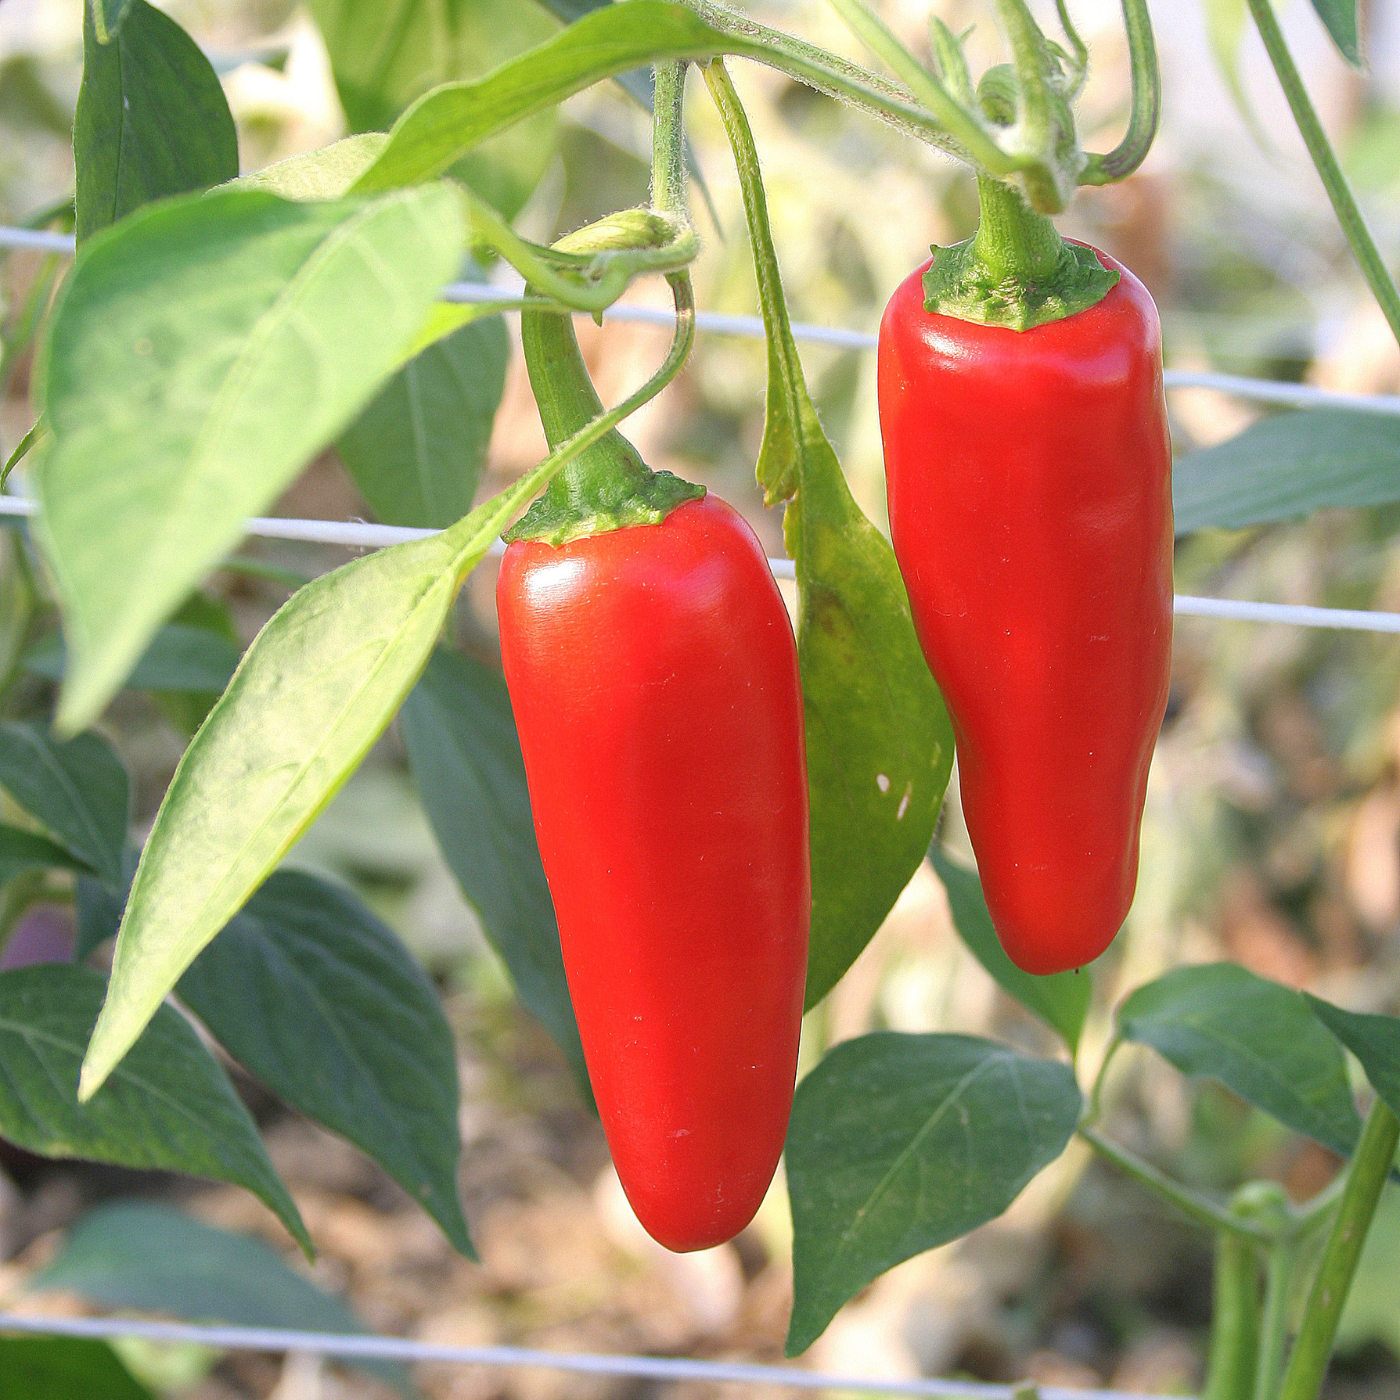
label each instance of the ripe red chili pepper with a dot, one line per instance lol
(1029, 481)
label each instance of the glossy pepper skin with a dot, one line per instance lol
(653, 674)
(1029, 482)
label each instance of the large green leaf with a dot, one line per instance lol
(313, 692)
(22, 851)
(1286, 466)
(1374, 1040)
(1060, 1000)
(1258, 1039)
(151, 120)
(169, 1107)
(139, 1256)
(317, 998)
(201, 352)
(417, 450)
(1340, 18)
(78, 790)
(386, 55)
(460, 735)
(64, 1368)
(899, 1143)
(879, 741)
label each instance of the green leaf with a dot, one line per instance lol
(99, 908)
(201, 352)
(22, 851)
(386, 56)
(315, 175)
(139, 1256)
(462, 744)
(1225, 24)
(319, 1000)
(1286, 466)
(449, 122)
(313, 693)
(169, 1107)
(1339, 16)
(1374, 1040)
(1258, 1039)
(77, 789)
(1060, 1000)
(879, 741)
(151, 120)
(62, 1368)
(900, 1143)
(417, 450)
(180, 657)
(107, 17)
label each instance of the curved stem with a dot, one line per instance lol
(1370, 1166)
(1132, 150)
(1334, 182)
(1201, 1209)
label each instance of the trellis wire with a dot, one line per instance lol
(662, 1368)
(353, 534)
(716, 323)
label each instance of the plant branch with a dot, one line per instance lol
(1132, 150)
(1370, 1166)
(1349, 215)
(668, 172)
(1273, 1331)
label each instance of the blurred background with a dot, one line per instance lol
(1272, 834)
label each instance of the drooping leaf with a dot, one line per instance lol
(1285, 467)
(151, 120)
(465, 753)
(416, 451)
(879, 741)
(78, 789)
(900, 1143)
(386, 56)
(1374, 1040)
(140, 1256)
(318, 999)
(1339, 16)
(180, 657)
(62, 1368)
(200, 353)
(170, 1106)
(1061, 1000)
(1258, 1039)
(22, 851)
(312, 694)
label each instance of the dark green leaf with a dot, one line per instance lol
(21, 851)
(107, 17)
(319, 1000)
(1340, 18)
(180, 657)
(64, 1368)
(417, 451)
(1258, 1039)
(152, 120)
(900, 1143)
(462, 745)
(99, 910)
(77, 789)
(137, 1256)
(201, 351)
(1374, 1040)
(168, 1106)
(1061, 1000)
(1286, 466)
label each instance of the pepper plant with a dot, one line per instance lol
(217, 330)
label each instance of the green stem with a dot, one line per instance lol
(1234, 1327)
(1370, 1166)
(1273, 1332)
(1132, 150)
(1013, 242)
(1201, 1209)
(668, 172)
(1334, 182)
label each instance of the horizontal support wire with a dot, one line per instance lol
(716, 323)
(360, 535)
(662, 1368)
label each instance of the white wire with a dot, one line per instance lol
(361, 535)
(371, 1348)
(716, 323)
